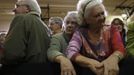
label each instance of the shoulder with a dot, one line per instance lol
(18, 20)
(58, 39)
(58, 36)
(31, 16)
(26, 17)
(81, 30)
(19, 17)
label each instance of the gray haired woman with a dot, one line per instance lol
(96, 49)
(55, 24)
(59, 42)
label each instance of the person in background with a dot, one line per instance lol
(27, 41)
(59, 42)
(127, 63)
(97, 50)
(55, 24)
(118, 23)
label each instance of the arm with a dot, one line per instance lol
(117, 45)
(14, 44)
(66, 65)
(74, 46)
(111, 63)
(54, 49)
(73, 53)
(55, 55)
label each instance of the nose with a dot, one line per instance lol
(70, 26)
(102, 16)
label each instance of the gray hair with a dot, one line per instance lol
(32, 4)
(57, 20)
(72, 14)
(82, 7)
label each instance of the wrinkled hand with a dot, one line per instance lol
(67, 67)
(96, 67)
(111, 65)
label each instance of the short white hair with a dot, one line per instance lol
(82, 6)
(72, 14)
(57, 20)
(33, 5)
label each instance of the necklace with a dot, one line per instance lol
(95, 38)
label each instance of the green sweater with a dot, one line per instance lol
(27, 40)
(130, 39)
(59, 43)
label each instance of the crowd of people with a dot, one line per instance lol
(79, 44)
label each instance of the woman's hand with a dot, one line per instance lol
(92, 64)
(111, 65)
(96, 67)
(66, 66)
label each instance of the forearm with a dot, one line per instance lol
(52, 54)
(83, 61)
(59, 58)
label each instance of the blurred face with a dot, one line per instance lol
(70, 25)
(20, 9)
(54, 27)
(96, 16)
(118, 25)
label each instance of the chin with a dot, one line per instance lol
(69, 32)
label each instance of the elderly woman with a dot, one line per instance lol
(96, 49)
(59, 42)
(128, 62)
(55, 24)
(118, 23)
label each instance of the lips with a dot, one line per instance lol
(70, 29)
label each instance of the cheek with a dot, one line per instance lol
(16, 10)
(52, 27)
(88, 21)
(119, 27)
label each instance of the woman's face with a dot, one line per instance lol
(54, 27)
(96, 16)
(118, 25)
(70, 25)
